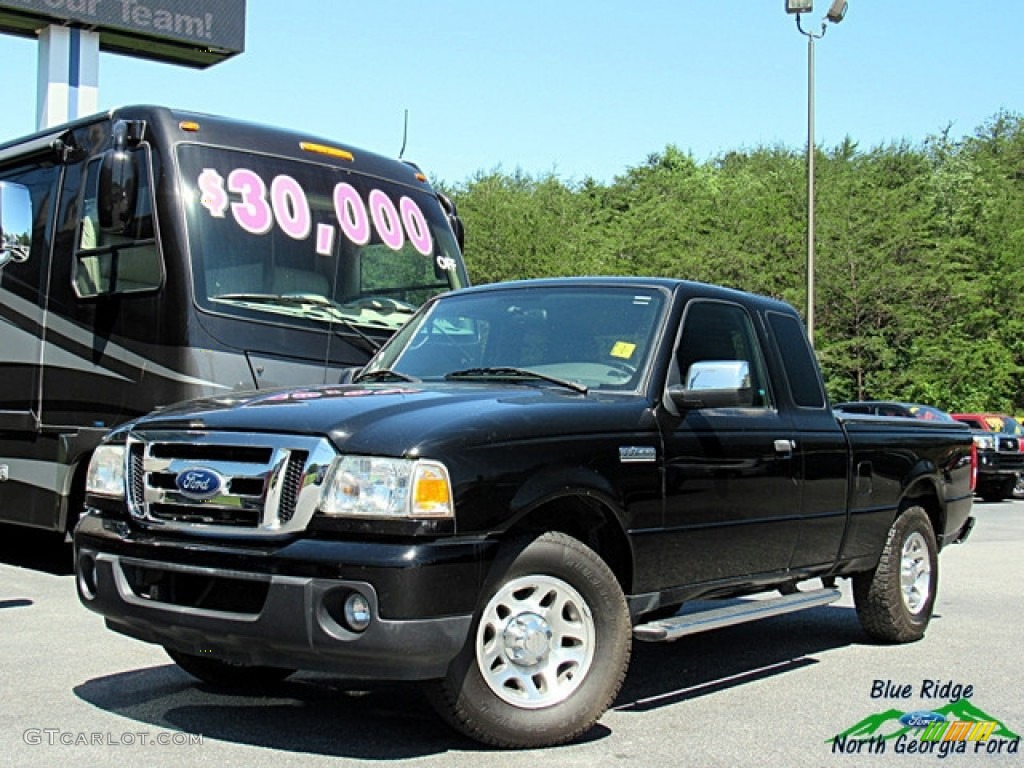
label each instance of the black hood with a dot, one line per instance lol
(410, 418)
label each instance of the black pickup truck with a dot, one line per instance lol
(525, 479)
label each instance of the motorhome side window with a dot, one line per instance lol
(22, 272)
(717, 340)
(117, 259)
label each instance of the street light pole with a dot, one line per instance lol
(811, 37)
(836, 12)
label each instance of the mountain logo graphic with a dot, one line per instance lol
(894, 723)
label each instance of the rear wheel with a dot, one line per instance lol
(895, 600)
(225, 674)
(548, 651)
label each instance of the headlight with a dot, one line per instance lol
(369, 486)
(985, 442)
(106, 472)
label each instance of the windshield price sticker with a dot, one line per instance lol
(257, 209)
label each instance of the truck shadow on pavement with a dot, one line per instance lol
(663, 674)
(316, 714)
(306, 714)
(38, 550)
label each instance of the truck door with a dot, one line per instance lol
(731, 474)
(822, 445)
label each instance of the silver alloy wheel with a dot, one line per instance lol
(535, 641)
(915, 573)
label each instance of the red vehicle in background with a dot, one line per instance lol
(1000, 454)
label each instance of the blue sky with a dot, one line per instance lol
(581, 88)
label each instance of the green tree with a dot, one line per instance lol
(919, 249)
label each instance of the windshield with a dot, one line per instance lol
(593, 336)
(265, 231)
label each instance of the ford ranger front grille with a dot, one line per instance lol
(226, 483)
(1011, 444)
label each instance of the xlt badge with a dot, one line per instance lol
(631, 454)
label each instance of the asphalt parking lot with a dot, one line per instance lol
(773, 693)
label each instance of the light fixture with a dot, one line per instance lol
(836, 11)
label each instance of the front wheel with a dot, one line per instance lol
(895, 600)
(548, 652)
(224, 674)
(1003, 489)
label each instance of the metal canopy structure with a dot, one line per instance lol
(71, 33)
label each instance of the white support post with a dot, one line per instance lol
(67, 76)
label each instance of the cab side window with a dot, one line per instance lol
(801, 370)
(715, 331)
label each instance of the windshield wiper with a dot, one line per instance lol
(507, 372)
(385, 374)
(380, 304)
(369, 344)
(274, 298)
(309, 299)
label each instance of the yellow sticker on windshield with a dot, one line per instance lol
(623, 349)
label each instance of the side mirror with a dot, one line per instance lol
(714, 384)
(118, 190)
(119, 179)
(454, 221)
(15, 222)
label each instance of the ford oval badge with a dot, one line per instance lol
(921, 718)
(199, 483)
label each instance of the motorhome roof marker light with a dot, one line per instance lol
(323, 149)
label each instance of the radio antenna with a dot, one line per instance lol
(405, 134)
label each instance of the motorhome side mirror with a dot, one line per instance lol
(714, 384)
(460, 231)
(15, 222)
(454, 220)
(118, 190)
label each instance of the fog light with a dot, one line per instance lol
(357, 612)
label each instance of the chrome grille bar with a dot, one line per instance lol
(230, 484)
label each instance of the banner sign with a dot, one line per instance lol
(195, 33)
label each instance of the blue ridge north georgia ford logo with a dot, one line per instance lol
(199, 483)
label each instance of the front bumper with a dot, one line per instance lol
(284, 606)
(1002, 463)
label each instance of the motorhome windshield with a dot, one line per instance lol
(278, 240)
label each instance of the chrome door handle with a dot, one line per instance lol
(785, 447)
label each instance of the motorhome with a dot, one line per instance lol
(149, 256)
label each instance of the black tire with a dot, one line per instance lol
(895, 600)
(548, 651)
(1018, 486)
(224, 674)
(999, 490)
